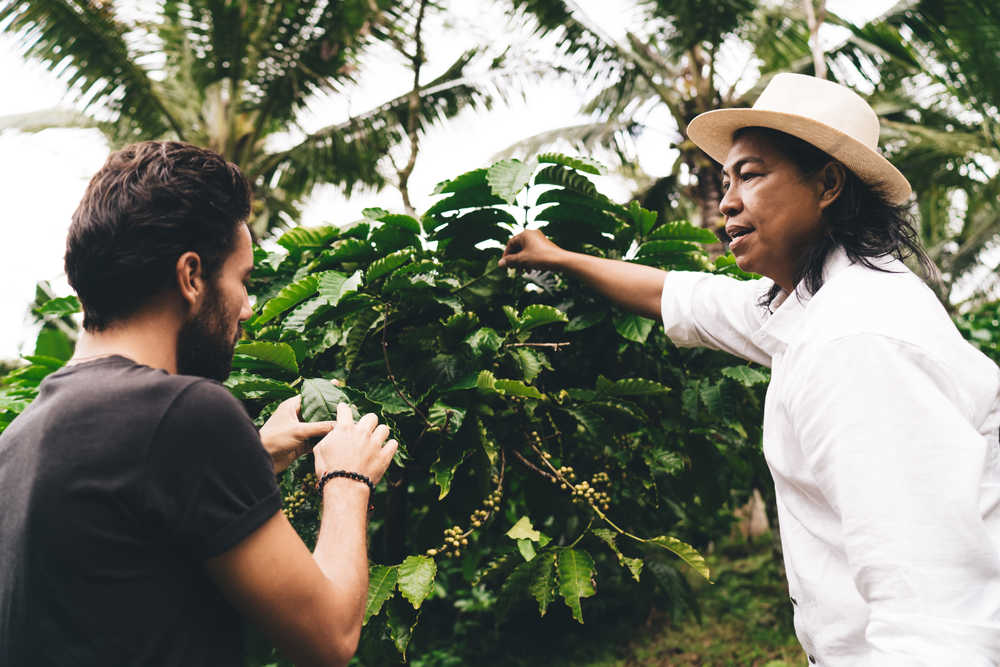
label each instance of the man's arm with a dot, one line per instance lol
(312, 605)
(634, 287)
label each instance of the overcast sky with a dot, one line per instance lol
(43, 175)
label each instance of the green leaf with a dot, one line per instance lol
(530, 361)
(681, 230)
(745, 375)
(536, 315)
(347, 250)
(526, 548)
(684, 551)
(470, 179)
(642, 219)
(576, 579)
(470, 198)
(60, 306)
(443, 469)
(416, 577)
(658, 248)
(289, 296)
(516, 388)
(442, 414)
(384, 265)
(633, 327)
(320, 398)
(579, 163)
(381, 585)
(335, 286)
(278, 354)
(404, 222)
(296, 320)
(298, 239)
(249, 386)
(523, 530)
(508, 177)
(374, 213)
(542, 581)
(567, 178)
(484, 341)
(634, 565)
(629, 387)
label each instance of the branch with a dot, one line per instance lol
(413, 110)
(815, 15)
(520, 457)
(554, 346)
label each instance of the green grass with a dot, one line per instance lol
(746, 619)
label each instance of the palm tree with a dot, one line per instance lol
(933, 84)
(234, 74)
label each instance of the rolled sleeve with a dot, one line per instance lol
(719, 312)
(893, 452)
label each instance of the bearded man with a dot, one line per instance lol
(141, 521)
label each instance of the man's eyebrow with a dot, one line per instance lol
(741, 162)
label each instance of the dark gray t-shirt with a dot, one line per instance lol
(117, 483)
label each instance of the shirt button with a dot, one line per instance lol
(812, 660)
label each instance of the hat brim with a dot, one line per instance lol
(713, 132)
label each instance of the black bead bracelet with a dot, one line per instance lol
(349, 475)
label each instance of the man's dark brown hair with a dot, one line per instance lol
(150, 203)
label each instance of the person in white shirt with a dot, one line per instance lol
(881, 423)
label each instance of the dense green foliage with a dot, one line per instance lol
(548, 441)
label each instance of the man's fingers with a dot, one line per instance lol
(344, 416)
(380, 433)
(368, 423)
(314, 429)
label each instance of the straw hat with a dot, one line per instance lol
(829, 116)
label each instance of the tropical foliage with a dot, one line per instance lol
(237, 77)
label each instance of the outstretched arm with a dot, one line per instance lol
(634, 287)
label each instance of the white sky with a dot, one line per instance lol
(43, 175)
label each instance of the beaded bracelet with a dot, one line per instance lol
(349, 475)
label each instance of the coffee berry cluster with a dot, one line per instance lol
(454, 541)
(585, 494)
(294, 502)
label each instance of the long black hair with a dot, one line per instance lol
(861, 220)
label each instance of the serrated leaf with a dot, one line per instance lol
(684, 551)
(416, 578)
(508, 177)
(278, 354)
(633, 327)
(745, 375)
(523, 530)
(681, 230)
(289, 296)
(530, 361)
(567, 178)
(579, 163)
(381, 586)
(711, 396)
(634, 565)
(536, 315)
(320, 398)
(542, 580)
(576, 579)
(486, 380)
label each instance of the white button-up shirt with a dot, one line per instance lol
(881, 432)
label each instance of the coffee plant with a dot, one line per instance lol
(548, 442)
(542, 432)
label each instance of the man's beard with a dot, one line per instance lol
(204, 346)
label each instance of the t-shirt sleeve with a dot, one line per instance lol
(707, 310)
(210, 482)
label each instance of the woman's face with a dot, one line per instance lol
(772, 210)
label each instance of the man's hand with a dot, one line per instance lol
(286, 438)
(532, 250)
(355, 446)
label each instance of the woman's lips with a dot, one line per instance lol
(740, 241)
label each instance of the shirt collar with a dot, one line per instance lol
(784, 316)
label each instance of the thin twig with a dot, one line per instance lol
(520, 457)
(392, 377)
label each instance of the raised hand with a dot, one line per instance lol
(355, 446)
(531, 249)
(286, 438)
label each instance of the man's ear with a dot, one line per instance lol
(832, 178)
(190, 281)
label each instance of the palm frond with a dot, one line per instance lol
(86, 46)
(47, 119)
